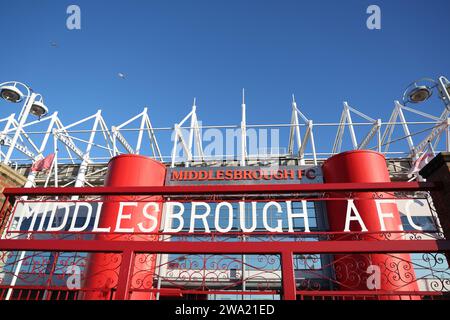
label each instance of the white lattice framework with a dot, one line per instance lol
(91, 140)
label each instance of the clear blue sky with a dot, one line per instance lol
(172, 51)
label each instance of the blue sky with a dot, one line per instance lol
(172, 51)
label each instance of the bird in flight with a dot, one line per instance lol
(121, 75)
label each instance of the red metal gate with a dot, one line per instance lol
(283, 251)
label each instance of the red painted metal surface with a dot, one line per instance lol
(285, 249)
(228, 189)
(362, 246)
(363, 166)
(128, 250)
(123, 171)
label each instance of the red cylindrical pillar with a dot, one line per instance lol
(127, 171)
(361, 166)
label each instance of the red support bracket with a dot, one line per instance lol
(288, 276)
(332, 246)
(123, 283)
(227, 189)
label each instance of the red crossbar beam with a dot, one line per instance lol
(340, 293)
(227, 189)
(363, 246)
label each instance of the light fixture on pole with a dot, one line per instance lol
(11, 93)
(38, 108)
(34, 104)
(419, 91)
(422, 89)
(419, 94)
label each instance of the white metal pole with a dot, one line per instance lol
(313, 143)
(294, 134)
(350, 126)
(243, 131)
(81, 176)
(141, 132)
(32, 175)
(175, 142)
(55, 160)
(379, 135)
(191, 129)
(6, 129)
(445, 92)
(405, 127)
(30, 180)
(191, 134)
(152, 137)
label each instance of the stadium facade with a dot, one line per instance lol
(98, 212)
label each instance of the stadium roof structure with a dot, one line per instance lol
(91, 140)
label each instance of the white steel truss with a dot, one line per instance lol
(145, 125)
(194, 136)
(346, 121)
(440, 126)
(91, 141)
(295, 136)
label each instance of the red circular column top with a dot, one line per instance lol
(135, 170)
(356, 166)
